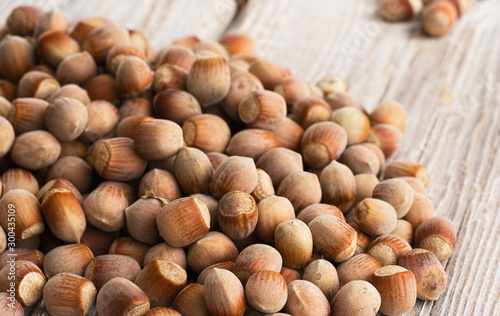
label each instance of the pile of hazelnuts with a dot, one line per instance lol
(199, 179)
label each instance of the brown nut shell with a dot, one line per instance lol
(333, 237)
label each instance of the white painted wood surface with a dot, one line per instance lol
(450, 87)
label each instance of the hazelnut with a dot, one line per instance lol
(243, 84)
(158, 139)
(314, 210)
(399, 10)
(387, 249)
(397, 287)
(361, 159)
(375, 217)
(29, 281)
(191, 301)
(288, 134)
(324, 275)
(55, 45)
(129, 247)
(404, 229)
(332, 84)
(226, 265)
(35, 150)
(66, 118)
(212, 248)
(177, 55)
(63, 214)
(321, 143)
(99, 41)
(162, 183)
(339, 100)
(428, 271)
(333, 237)
(9, 306)
(396, 192)
(262, 109)
(390, 112)
(224, 293)
(105, 208)
(70, 91)
(97, 240)
(69, 294)
(209, 79)
(264, 186)
(59, 184)
(103, 88)
(421, 210)
(77, 68)
(118, 53)
(210, 48)
(437, 235)
(161, 281)
(85, 26)
(23, 19)
(141, 218)
(8, 90)
(133, 76)
(237, 214)
(306, 299)
(121, 297)
(294, 242)
(173, 226)
(163, 251)
(72, 258)
(338, 185)
(266, 291)
(176, 105)
(309, 110)
(292, 89)
(53, 20)
(365, 183)
(26, 114)
(103, 118)
(280, 162)
(74, 169)
(116, 159)
(128, 125)
(301, 189)
(37, 84)
(14, 68)
(386, 137)
(438, 17)
(355, 123)
(238, 44)
(356, 298)
(358, 267)
(251, 143)
(104, 268)
(406, 168)
(26, 208)
(268, 73)
(137, 107)
(193, 170)
(416, 184)
(207, 132)
(18, 178)
(169, 77)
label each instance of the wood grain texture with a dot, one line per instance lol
(450, 87)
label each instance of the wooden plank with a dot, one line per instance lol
(450, 87)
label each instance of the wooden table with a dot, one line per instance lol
(449, 86)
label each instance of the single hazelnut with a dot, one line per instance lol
(420, 211)
(99, 41)
(242, 84)
(59, 184)
(104, 268)
(355, 123)
(332, 84)
(53, 46)
(251, 143)
(309, 110)
(312, 211)
(18, 178)
(294, 242)
(72, 258)
(237, 214)
(437, 235)
(234, 174)
(162, 183)
(35, 150)
(292, 89)
(163, 251)
(356, 298)
(175, 105)
(338, 185)
(66, 118)
(29, 281)
(209, 79)
(129, 247)
(212, 248)
(438, 17)
(191, 301)
(387, 249)
(321, 143)
(375, 217)
(386, 137)
(77, 68)
(406, 168)
(69, 294)
(324, 275)
(396, 192)
(264, 186)
(133, 75)
(224, 293)
(74, 169)
(301, 189)
(262, 109)
(15, 46)
(365, 183)
(161, 281)
(53, 20)
(268, 73)
(397, 287)
(238, 44)
(169, 77)
(358, 267)
(176, 55)
(288, 134)
(399, 10)
(266, 291)
(63, 215)
(25, 114)
(103, 118)
(333, 237)
(103, 88)
(207, 132)
(37, 84)
(121, 297)
(273, 211)
(138, 107)
(306, 299)
(210, 48)
(226, 265)
(26, 208)
(404, 229)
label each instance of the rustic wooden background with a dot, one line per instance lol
(450, 87)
